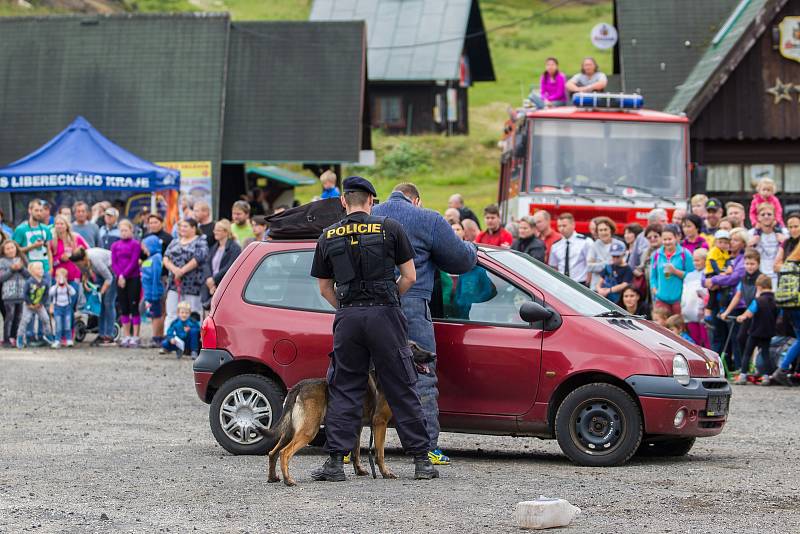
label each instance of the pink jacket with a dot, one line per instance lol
(757, 201)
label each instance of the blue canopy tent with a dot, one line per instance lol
(80, 157)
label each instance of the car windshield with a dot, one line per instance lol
(609, 157)
(578, 297)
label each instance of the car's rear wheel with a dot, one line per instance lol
(599, 425)
(243, 405)
(666, 447)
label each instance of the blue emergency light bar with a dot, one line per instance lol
(607, 100)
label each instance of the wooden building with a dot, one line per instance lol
(422, 57)
(735, 72)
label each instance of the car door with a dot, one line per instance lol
(488, 358)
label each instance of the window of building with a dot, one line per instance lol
(724, 178)
(389, 111)
(480, 296)
(754, 173)
(791, 178)
(282, 280)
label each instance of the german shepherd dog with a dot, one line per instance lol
(304, 412)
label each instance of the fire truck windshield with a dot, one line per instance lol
(608, 157)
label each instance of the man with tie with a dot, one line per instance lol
(568, 255)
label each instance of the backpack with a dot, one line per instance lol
(787, 295)
(306, 221)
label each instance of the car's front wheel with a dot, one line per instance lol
(667, 447)
(243, 405)
(599, 425)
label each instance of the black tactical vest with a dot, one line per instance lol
(362, 267)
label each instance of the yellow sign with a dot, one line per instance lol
(790, 38)
(195, 185)
(354, 228)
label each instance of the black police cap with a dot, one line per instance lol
(357, 183)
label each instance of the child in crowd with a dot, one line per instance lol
(329, 189)
(61, 295)
(677, 326)
(698, 203)
(692, 225)
(725, 224)
(13, 274)
(765, 192)
(671, 262)
(745, 294)
(125, 264)
(36, 289)
(151, 279)
(693, 299)
(763, 313)
(616, 276)
(660, 316)
(183, 333)
(716, 262)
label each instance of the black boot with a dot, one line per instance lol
(423, 468)
(781, 377)
(332, 470)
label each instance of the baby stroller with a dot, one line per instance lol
(87, 319)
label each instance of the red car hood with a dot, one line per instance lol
(702, 362)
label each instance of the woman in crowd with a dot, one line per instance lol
(219, 259)
(599, 253)
(692, 240)
(634, 304)
(184, 259)
(552, 87)
(125, 254)
(527, 241)
(64, 244)
(788, 246)
(630, 234)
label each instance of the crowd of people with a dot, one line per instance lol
(709, 273)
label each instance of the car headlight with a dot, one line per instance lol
(680, 369)
(721, 366)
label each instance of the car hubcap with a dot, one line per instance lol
(597, 426)
(243, 411)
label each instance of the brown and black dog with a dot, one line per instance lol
(304, 412)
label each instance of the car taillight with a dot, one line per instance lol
(208, 334)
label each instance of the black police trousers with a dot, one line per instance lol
(378, 334)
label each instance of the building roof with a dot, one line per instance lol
(296, 92)
(416, 40)
(744, 24)
(654, 56)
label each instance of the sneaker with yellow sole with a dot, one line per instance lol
(347, 458)
(437, 457)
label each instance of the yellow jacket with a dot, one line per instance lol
(716, 260)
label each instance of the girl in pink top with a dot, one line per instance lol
(552, 87)
(765, 192)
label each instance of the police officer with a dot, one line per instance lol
(570, 254)
(355, 261)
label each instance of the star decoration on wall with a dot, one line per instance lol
(781, 91)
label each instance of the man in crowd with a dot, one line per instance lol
(736, 214)
(436, 246)
(241, 227)
(678, 215)
(109, 232)
(45, 217)
(640, 244)
(260, 226)
(97, 261)
(568, 255)
(494, 234)
(32, 236)
(457, 201)
(452, 215)
(471, 230)
(714, 212)
(202, 214)
(546, 233)
(88, 230)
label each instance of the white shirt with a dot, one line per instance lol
(579, 246)
(768, 246)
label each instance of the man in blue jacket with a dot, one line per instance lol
(435, 246)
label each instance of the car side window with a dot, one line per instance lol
(283, 280)
(478, 296)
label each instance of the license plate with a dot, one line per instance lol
(717, 405)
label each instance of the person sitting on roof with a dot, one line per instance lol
(552, 92)
(589, 80)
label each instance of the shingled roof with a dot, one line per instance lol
(661, 42)
(416, 40)
(738, 34)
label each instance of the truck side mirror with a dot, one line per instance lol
(533, 312)
(520, 145)
(699, 177)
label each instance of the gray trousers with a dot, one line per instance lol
(420, 330)
(27, 316)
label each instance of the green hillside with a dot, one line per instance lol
(438, 164)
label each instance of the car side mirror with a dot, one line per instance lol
(533, 312)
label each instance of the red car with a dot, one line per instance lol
(522, 351)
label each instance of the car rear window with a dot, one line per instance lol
(282, 280)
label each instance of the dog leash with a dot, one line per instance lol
(369, 453)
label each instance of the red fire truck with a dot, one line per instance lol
(602, 156)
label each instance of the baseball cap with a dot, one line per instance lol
(111, 211)
(722, 234)
(357, 183)
(713, 204)
(617, 249)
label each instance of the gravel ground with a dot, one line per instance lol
(117, 440)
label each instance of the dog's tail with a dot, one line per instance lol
(284, 425)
